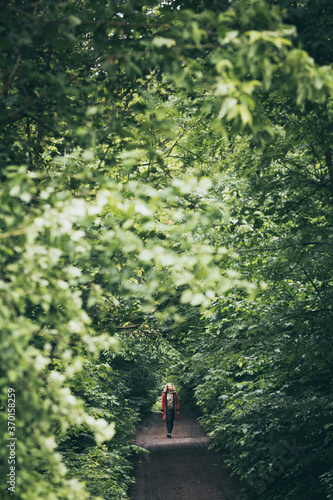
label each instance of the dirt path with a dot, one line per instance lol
(181, 467)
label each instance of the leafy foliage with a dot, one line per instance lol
(261, 373)
(159, 165)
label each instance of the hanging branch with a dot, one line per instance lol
(316, 290)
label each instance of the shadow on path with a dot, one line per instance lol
(181, 467)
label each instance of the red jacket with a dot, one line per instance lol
(175, 405)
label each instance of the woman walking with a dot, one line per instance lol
(169, 407)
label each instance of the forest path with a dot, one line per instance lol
(181, 467)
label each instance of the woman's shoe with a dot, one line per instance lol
(168, 435)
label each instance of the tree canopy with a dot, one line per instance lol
(166, 210)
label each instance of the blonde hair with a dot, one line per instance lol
(166, 387)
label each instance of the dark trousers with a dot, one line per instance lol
(170, 416)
